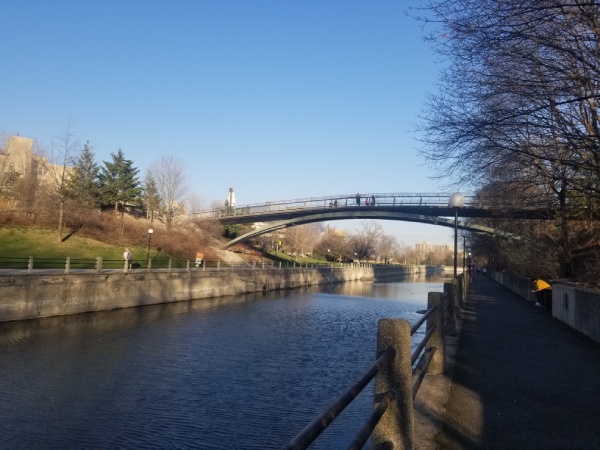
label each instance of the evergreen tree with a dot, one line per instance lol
(119, 185)
(83, 186)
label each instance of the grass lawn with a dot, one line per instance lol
(18, 243)
(21, 242)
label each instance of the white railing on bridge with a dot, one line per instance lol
(333, 201)
(382, 200)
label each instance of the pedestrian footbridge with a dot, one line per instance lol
(412, 207)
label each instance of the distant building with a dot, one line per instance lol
(427, 247)
(424, 249)
(17, 156)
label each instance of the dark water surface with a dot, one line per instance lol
(245, 372)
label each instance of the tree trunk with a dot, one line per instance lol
(61, 211)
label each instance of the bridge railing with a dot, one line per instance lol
(398, 374)
(332, 201)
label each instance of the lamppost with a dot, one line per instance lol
(456, 201)
(150, 231)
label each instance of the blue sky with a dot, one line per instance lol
(277, 99)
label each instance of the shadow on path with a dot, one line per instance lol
(521, 379)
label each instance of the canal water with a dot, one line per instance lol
(244, 372)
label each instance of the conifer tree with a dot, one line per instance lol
(83, 185)
(119, 185)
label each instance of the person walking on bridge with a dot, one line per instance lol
(357, 199)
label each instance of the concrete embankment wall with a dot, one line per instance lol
(32, 296)
(578, 308)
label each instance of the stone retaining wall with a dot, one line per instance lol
(32, 296)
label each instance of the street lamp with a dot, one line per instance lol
(456, 201)
(150, 231)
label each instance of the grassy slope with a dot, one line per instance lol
(24, 241)
(41, 244)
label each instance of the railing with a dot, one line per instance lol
(398, 373)
(100, 265)
(345, 200)
(331, 201)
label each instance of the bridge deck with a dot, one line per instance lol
(521, 378)
(421, 204)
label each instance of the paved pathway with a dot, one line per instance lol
(521, 379)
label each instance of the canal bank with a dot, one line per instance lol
(43, 294)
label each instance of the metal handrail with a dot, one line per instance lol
(316, 427)
(367, 429)
(421, 369)
(422, 344)
(139, 264)
(418, 324)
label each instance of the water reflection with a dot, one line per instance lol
(235, 372)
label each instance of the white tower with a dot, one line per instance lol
(231, 198)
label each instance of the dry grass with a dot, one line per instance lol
(183, 241)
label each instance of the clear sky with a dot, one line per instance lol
(277, 99)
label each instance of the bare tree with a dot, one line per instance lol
(302, 238)
(521, 91)
(194, 202)
(170, 178)
(56, 168)
(386, 247)
(334, 244)
(522, 83)
(364, 241)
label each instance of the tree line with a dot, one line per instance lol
(516, 117)
(67, 176)
(368, 243)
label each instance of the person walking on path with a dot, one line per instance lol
(542, 291)
(127, 256)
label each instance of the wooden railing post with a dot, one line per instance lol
(437, 339)
(397, 423)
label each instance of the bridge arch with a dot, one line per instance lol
(366, 213)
